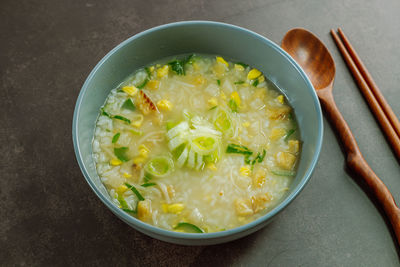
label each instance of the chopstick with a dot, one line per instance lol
(377, 103)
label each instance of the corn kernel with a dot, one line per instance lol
(130, 90)
(246, 124)
(253, 74)
(285, 160)
(235, 96)
(164, 208)
(212, 101)
(143, 151)
(239, 67)
(151, 69)
(121, 189)
(164, 105)
(153, 84)
(221, 60)
(174, 208)
(221, 193)
(127, 175)
(261, 79)
(277, 133)
(115, 162)
(212, 166)
(280, 99)
(144, 210)
(294, 146)
(245, 170)
(161, 72)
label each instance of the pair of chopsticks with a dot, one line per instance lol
(376, 101)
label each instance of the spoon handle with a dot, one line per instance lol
(356, 162)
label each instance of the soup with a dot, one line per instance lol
(196, 144)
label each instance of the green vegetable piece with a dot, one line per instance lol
(171, 124)
(283, 173)
(289, 133)
(242, 64)
(120, 153)
(233, 105)
(143, 84)
(188, 227)
(135, 191)
(222, 122)
(146, 177)
(147, 69)
(148, 184)
(255, 83)
(105, 113)
(128, 104)
(238, 149)
(159, 166)
(115, 138)
(261, 158)
(219, 82)
(214, 107)
(124, 205)
(118, 117)
(239, 82)
(177, 67)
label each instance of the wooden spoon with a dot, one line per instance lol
(317, 62)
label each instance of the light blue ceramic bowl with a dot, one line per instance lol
(206, 37)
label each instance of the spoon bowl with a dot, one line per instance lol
(312, 55)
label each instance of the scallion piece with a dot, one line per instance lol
(214, 107)
(289, 133)
(242, 64)
(238, 149)
(177, 67)
(120, 153)
(188, 227)
(261, 158)
(159, 167)
(143, 84)
(148, 184)
(239, 82)
(124, 205)
(115, 138)
(219, 82)
(233, 105)
(283, 173)
(135, 191)
(119, 117)
(105, 113)
(255, 83)
(128, 104)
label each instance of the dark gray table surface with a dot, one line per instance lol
(50, 216)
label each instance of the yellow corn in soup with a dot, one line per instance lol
(196, 144)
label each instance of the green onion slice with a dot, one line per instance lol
(148, 184)
(238, 149)
(289, 133)
(115, 138)
(128, 104)
(120, 153)
(188, 227)
(135, 191)
(159, 166)
(119, 117)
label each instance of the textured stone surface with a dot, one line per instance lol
(50, 216)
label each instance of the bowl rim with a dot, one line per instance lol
(143, 227)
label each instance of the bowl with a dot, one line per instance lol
(206, 37)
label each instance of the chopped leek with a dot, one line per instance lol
(115, 138)
(128, 104)
(120, 153)
(135, 191)
(188, 227)
(148, 184)
(238, 149)
(159, 166)
(255, 83)
(239, 82)
(124, 205)
(214, 107)
(143, 84)
(233, 105)
(219, 82)
(222, 121)
(178, 66)
(105, 113)
(283, 173)
(289, 133)
(119, 117)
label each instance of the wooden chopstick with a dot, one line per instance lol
(371, 83)
(377, 110)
